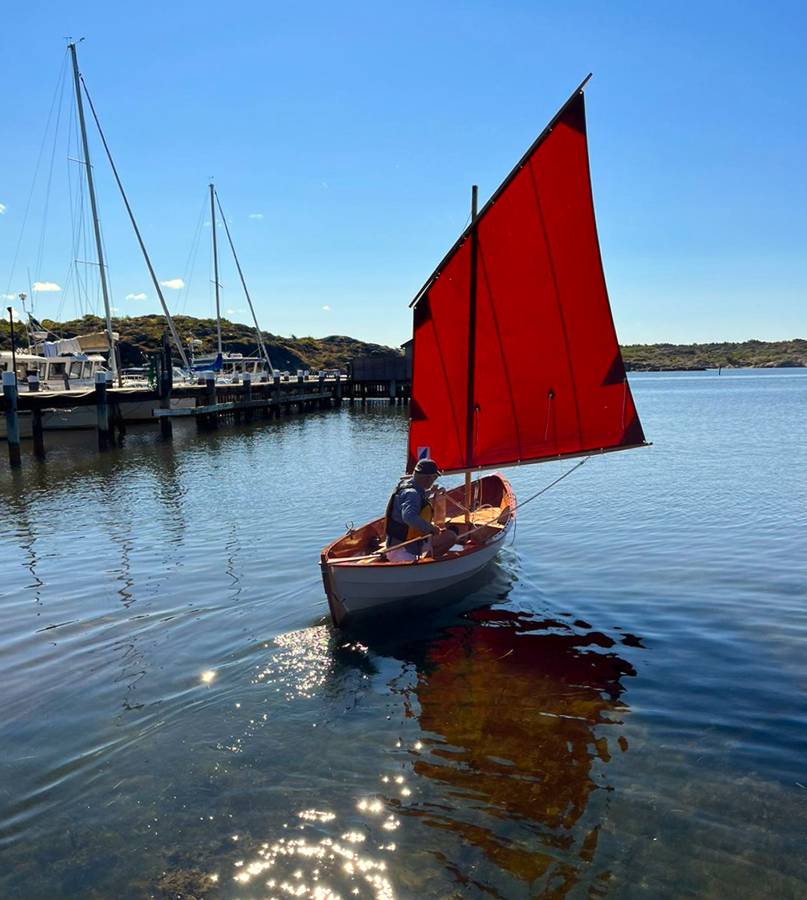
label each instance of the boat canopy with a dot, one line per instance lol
(515, 354)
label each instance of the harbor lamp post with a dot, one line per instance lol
(13, 346)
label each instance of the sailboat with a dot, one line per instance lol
(230, 365)
(515, 361)
(74, 362)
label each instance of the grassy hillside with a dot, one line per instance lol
(143, 334)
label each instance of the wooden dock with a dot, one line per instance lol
(209, 403)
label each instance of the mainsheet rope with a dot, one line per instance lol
(544, 490)
(478, 527)
(552, 484)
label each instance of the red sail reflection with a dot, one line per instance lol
(515, 708)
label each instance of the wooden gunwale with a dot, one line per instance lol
(508, 501)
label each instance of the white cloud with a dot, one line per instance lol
(114, 309)
(3, 209)
(231, 312)
(140, 296)
(45, 287)
(326, 308)
(256, 215)
(176, 284)
(9, 296)
(15, 313)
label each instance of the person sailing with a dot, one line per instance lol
(409, 513)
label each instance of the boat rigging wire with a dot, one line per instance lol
(190, 262)
(81, 253)
(264, 352)
(72, 265)
(40, 255)
(56, 93)
(153, 274)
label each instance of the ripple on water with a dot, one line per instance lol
(618, 708)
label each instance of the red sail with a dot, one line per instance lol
(515, 354)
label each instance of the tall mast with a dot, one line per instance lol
(113, 363)
(471, 410)
(152, 273)
(261, 345)
(215, 264)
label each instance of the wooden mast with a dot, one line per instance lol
(113, 363)
(470, 411)
(215, 265)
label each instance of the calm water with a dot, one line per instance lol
(618, 709)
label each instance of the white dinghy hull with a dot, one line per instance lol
(359, 585)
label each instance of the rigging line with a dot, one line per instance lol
(82, 244)
(106, 266)
(43, 231)
(79, 240)
(263, 349)
(154, 279)
(81, 226)
(77, 220)
(190, 262)
(553, 483)
(56, 92)
(68, 281)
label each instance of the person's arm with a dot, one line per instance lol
(410, 513)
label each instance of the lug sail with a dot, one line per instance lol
(515, 354)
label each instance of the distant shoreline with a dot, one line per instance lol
(700, 357)
(143, 334)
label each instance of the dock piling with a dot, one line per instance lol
(276, 395)
(37, 434)
(165, 369)
(210, 421)
(248, 395)
(102, 410)
(116, 421)
(12, 419)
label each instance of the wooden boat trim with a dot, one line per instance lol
(508, 502)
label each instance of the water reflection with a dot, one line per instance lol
(27, 536)
(519, 719)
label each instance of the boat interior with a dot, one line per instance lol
(492, 504)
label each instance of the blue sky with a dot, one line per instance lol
(344, 139)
